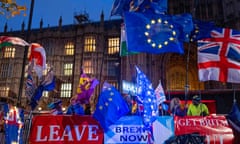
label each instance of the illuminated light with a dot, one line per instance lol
(149, 40)
(148, 26)
(63, 108)
(174, 33)
(39, 108)
(153, 21)
(166, 42)
(165, 22)
(153, 45)
(171, 39)
(159, 21)
(106, 103)
(146, 34)
(159, 46)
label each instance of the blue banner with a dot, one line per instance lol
(130, 130)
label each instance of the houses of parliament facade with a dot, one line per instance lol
(95, 47)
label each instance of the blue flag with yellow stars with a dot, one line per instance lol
(147, 95)
(157, 33)
(110, 107)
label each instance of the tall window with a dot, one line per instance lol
(113, 45)
(66, 89)
(6, 70)
(89, 44)
(4, 91)
(68, 69)
(9, 52)
(69, 48)
(112, 68)
(88, 68)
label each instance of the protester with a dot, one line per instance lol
(163, 109)
(197, 108)
(176, 108)
(56, 107)
(75, 108)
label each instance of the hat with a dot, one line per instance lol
(196, 98)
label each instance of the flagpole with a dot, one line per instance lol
(25, 54)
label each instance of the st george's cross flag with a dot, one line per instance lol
(218, 56)
(38, 55)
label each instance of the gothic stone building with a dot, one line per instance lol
(95, 46)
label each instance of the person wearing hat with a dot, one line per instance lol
(196, 108)
(75, 108)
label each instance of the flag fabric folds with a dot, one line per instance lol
(14, 121)
(48, 84)
(30, 86)
(152, 33)
(160, 95)
(121, 6)
(146, 93)
(222, 41)
(218, 56)
(233, 117)
(216, 68)
(86, 88)
(38, 55)
(123, 46)
(201, 29)
(110, 106)
(8, 41)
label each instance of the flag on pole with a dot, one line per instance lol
(7, 41)
(48, 84)
(152, 33)
(110, 106)
(38, 55)
(146, 94)
(86, 88)
(30, 86)
(217, 68)
(123, 46)
(223, 42)
(160, 95)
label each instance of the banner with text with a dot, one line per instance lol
(65, 129)
(215, 128)
(130, 130)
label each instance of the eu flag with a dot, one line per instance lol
(201, 29)
(152, 33)
(147, 95)
(110, 107)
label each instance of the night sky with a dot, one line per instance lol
(51, 10)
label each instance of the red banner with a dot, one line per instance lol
(214, 128)
(65, 129)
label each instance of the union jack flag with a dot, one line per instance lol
(218, 56)
(223, 42)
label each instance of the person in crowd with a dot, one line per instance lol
(56, 107)
(75, 108)
(163, 109)
(197, 108)
(176, 108)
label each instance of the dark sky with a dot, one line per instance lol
(51, 10)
